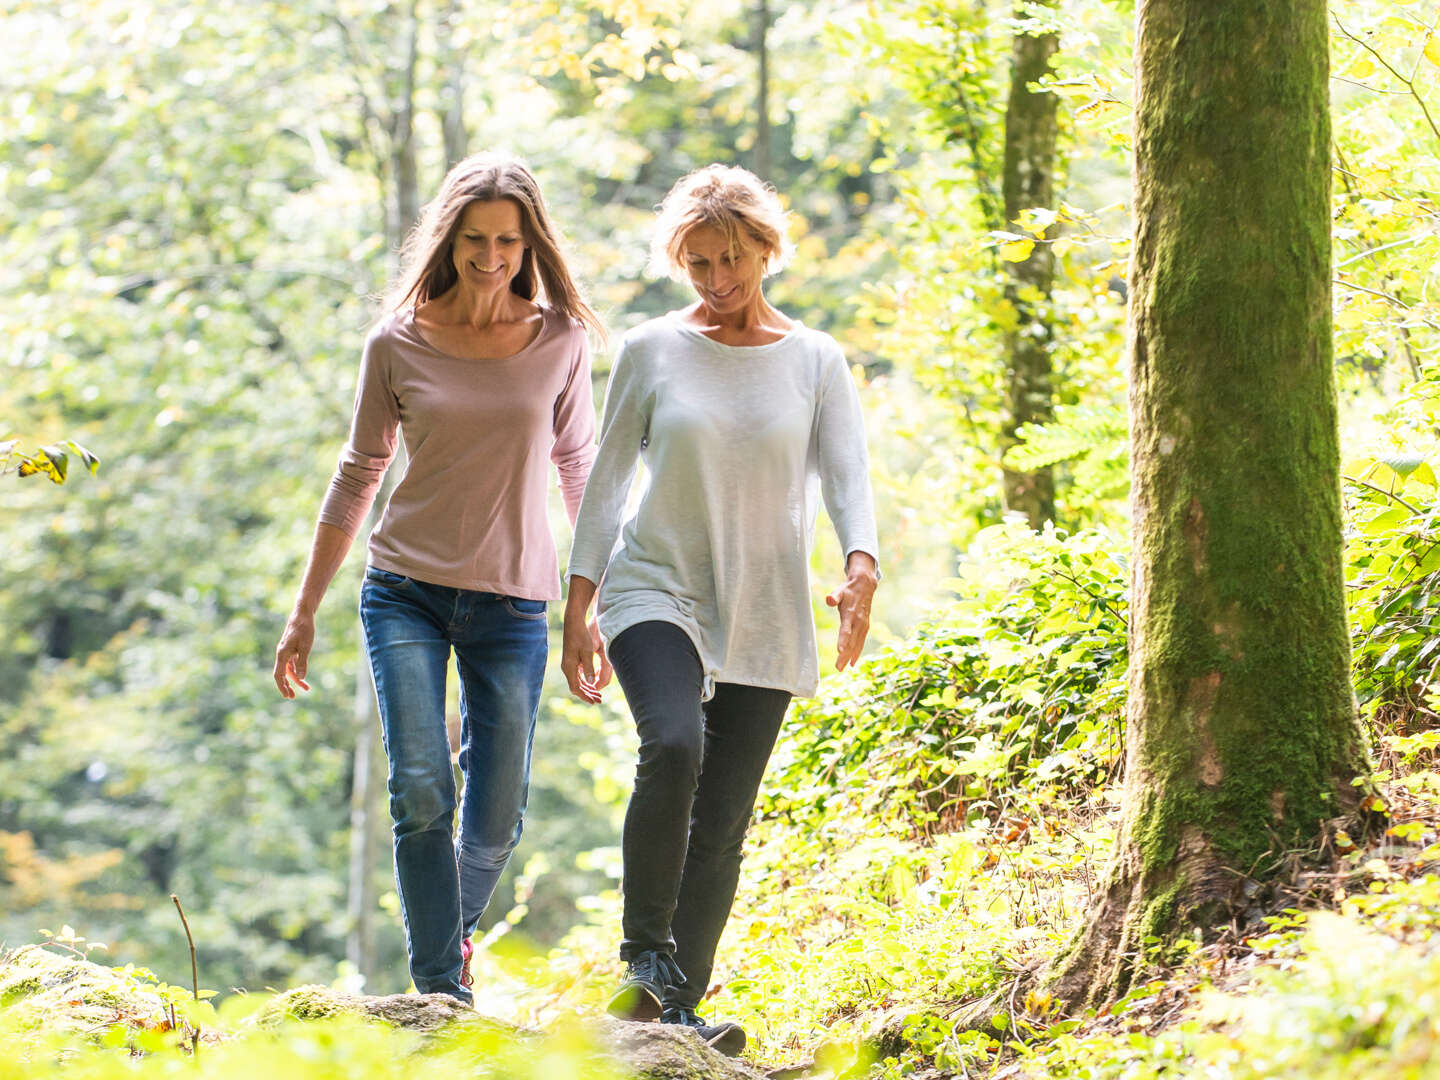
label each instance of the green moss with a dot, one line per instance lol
(311, 1003)
(12, 990)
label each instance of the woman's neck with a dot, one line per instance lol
(760, 316)
(476, 309)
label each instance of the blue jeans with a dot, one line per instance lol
(500, 646)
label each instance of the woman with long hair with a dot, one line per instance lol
(742, 416)
(487, 386)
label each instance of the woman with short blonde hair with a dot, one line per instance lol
(488, 387)
(742, 416)
(728, 198)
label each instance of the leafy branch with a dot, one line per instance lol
(1407, 81)
(52, 461)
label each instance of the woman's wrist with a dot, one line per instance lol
(577, 602)
(861, 566)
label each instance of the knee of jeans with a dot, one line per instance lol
(717, 844)
(674, 754)
(487, 856)
(416, 806)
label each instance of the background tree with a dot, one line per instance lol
(1242, 736)
(1031, 133)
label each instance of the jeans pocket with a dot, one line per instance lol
(385, 577)
(524, 609)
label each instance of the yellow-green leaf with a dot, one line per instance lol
(1016, 250)
(1432, 50)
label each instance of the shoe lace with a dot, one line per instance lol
(657, 967)
(677, 1015)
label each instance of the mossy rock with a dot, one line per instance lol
(649, 1051)
(664, 1052)
(56, 991)
(415, 1012)
(41, 987)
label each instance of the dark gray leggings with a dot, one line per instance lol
(700, 767)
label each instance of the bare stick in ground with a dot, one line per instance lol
(194, 969)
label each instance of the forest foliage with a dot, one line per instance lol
(193, 211)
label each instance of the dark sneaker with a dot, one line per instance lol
(728, 1037)
(467, 950)
(647, 977)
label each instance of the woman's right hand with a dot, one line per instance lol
(581, 645)
(327, 552)
(293, 653)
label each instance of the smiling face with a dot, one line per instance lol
(727, 279)
(489, 246)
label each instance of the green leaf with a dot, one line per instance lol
(59, 460)
(91, 460)
(1401, 464)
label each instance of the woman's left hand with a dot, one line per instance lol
(853, 599)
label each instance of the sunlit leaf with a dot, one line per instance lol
(1016, 250)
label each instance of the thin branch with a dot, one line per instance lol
(1409, 83)
(1382, 491)
(1382, 247)
(1367, 86)
(194, 973)
(194, 968)
(1395, 300)
(1420, 59)
(1373, 292)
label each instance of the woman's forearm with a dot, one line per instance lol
(577, 604)
(327, 553)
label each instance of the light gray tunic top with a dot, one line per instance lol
(738, 442)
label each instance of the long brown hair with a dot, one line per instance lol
(427, 269)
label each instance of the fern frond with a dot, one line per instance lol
(1098, 432)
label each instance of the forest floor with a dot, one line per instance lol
(933, 830)
(1331, 970)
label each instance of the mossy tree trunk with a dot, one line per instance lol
(1031, 128)
(1242, 733)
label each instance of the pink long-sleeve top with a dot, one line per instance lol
(470, 510)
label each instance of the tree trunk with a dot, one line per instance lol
(369, 798)
(404, 171)
(762, 93)
(369, 827)
(452, 123)
(1242, 731)
(1030, 135)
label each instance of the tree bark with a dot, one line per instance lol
(369, 801)
(1242, 730)
(452, 122)
(1031, 129)
(762, 93)
(404, 170)
(369, 823)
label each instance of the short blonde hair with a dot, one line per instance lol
(735, 201)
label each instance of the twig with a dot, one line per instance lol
(1382, 491)
(1408, 83)
(194, 971)
(194, 968)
